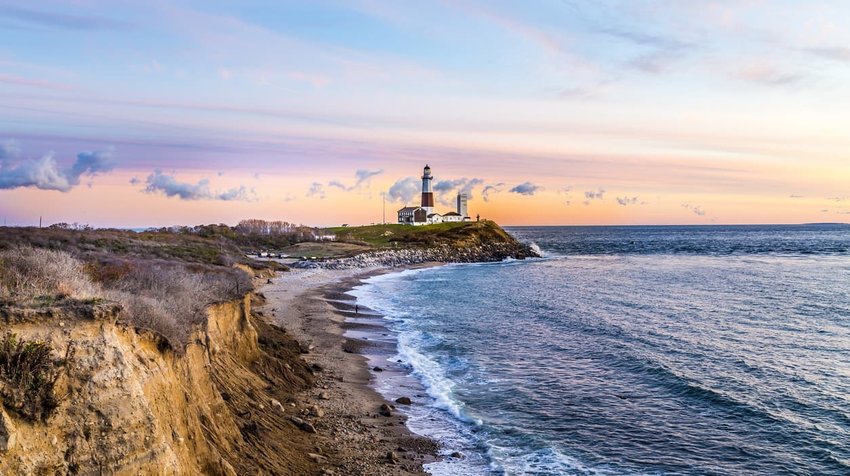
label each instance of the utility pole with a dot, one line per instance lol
(39, 222)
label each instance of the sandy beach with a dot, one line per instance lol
(353, 434)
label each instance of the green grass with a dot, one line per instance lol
(388, 236)
(324, 249)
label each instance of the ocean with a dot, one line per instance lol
(717, 350)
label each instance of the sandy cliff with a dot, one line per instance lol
(128, 404)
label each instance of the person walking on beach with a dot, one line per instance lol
(356, 309)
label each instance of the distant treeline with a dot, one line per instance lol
(251, 233)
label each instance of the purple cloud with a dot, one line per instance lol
(159, 182)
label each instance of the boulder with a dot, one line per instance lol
(403, 400)
(385, 410)
(8, 433)
(303, 425)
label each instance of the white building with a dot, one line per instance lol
(452, 217)
(425, 214)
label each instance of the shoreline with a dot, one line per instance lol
(354, 435)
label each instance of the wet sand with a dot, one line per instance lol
(353, 437)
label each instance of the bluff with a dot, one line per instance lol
(400, 245)
(126, 403)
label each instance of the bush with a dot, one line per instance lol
(28, 274)
(27, 375)
(164, 296)
(172, 299)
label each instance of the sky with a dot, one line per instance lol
(322, 112)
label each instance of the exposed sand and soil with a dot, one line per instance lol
(354, 435)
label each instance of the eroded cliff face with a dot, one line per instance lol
(128, 404)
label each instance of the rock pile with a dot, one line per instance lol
(487, 252)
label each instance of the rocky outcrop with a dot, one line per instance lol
(477, 242)
(442, 253)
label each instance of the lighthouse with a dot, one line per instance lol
(425, 213)
(427, 194)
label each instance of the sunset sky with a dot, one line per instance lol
(120, 113)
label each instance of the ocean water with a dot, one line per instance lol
(631, 350)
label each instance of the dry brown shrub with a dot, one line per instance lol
(166, 297)
(28, 273)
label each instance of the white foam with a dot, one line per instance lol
(545, 461)
(433, 377)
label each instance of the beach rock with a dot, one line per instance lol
(403, 400)
(324, 396)
(316, 458)
(316, 411)
(277, 405)
(377, 369)
(8, 434)
(303, 425)
(457, 454)
(392, 457)
(385, 410)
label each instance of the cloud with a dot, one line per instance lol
(492, 189)
(597, 195)
(646, 39)
(447, 190)
(591, 195)
(316, 190)
(362, 178)
(135, 181)
(158, 182)
(60, 20)
(33, 83)
(405, 190)
(768, 75)
(698, 210)
(526, 188)
(836, 199)
(337, 184)
(794, 195)
(10, 149)
(91, 163)
(835, 53)
(624, 201)
(45, 173)
(566, 191)
(364, 175)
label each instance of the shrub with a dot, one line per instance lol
(28, 273)
(165, 296)
(172, 299)
(27, 375)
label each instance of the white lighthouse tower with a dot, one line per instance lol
(427, 194)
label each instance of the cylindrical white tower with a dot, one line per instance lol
(427, 194)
